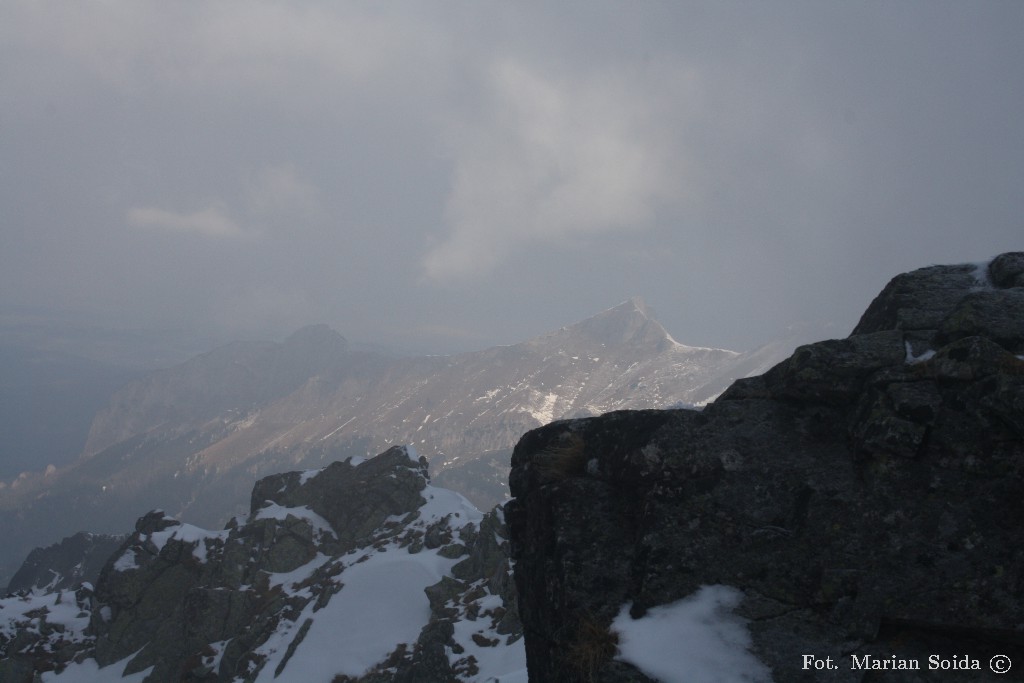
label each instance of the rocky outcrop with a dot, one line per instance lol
(865, 496)
(66, 565)
(405, 581)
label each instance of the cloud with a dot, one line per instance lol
(553, 160)
(448, 332)
(290, 54)
(279, 191)
(272, 196)
(264, 41)
(210, 222)
(353, 151)
(248, 308)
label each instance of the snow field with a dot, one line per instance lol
(697, 638)
(502, 662)
(381, 605)
(90, 672)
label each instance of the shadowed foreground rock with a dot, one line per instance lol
(865, 495)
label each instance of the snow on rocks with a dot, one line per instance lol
(190, 535)
(480, 645)
(919, 358)
(380, 606)
(88, 671)
(38, 626)
(334, 572)
(696, 638)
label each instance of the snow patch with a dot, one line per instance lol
(980, 273)
(543, 407)
(488, 395)
(683, 405)
(127, 561)
(280, 513)
(59, 608)
(911, 359)
(381, 605)
(501, 661)
(212, 662)
(89, 671)
(338, 429)
(413, 454)
(299, 574)
(441, 502)
(186, 533)
(697, 638)
(683, 348)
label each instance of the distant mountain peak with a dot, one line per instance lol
(637, 304)
(321, 335)
(630, 323)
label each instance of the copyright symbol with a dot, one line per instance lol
(1000, 664)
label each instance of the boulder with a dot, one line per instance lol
(865, 496)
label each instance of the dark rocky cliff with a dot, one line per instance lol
(865, 495)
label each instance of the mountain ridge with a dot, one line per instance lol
(192, 439)
(625, 326)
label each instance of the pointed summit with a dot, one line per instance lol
(639, 304)
(629, 323)
(313, 349)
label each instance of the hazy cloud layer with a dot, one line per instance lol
(551, 160)
(440, 177)
(210, 222)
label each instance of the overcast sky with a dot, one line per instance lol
(447, 176)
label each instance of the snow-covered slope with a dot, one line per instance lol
(335, 574)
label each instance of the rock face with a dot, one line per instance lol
(865, 495)
(360, 571)
(64, 566)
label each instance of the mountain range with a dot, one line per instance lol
(855, 508)
(192, 439)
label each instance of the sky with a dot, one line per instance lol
(440, 177)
